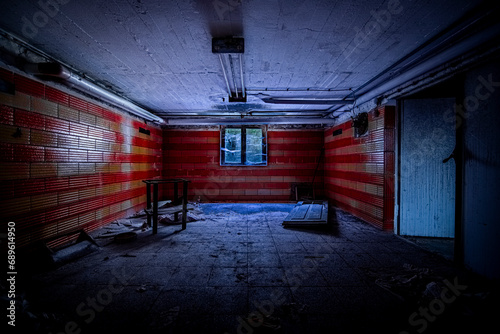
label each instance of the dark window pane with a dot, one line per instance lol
(232, 145)
(254, 146)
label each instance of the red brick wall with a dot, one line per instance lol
(359, 172)
(76, 164)
(194, 155)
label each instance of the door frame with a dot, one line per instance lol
(458, 254)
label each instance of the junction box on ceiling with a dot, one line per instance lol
(228, 45)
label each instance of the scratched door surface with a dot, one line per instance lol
(427, 185)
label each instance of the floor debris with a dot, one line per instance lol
(167, 320)
(142, 288)
(295, 312)
(170, 219)
(128, 255)
(73, 252)
(125, 237)
(138, 223)
(407, 283)
(268, 324)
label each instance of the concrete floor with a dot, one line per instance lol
(239, 271)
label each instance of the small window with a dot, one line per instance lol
(243, 146)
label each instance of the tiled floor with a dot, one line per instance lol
(245, 273)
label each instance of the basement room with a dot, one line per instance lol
(249, 166)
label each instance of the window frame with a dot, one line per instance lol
(243, 128)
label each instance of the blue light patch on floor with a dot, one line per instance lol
(245, 208)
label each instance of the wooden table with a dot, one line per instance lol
(153, 212)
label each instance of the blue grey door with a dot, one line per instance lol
(427, 184)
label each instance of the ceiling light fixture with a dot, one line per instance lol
(241, 75)
(232, 73)
(229, 46)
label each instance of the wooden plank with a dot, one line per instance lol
(300, 212)
(315, 211)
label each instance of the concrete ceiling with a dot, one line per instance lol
(158, 54)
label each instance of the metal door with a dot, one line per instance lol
(426, 183)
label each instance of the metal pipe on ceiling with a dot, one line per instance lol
(266, 89)
(311, 100)
(210, 113)
(225, 75)
(309, 113)
(471, 43)
(445, 74)
(236, 114)
(456, 29)
(74, 81)
(263, 121)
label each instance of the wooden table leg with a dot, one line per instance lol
(176, 194)
(184, 203)
(155, 208)
(148, 202)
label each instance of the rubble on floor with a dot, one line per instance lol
(406, 282)
(138, 222)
